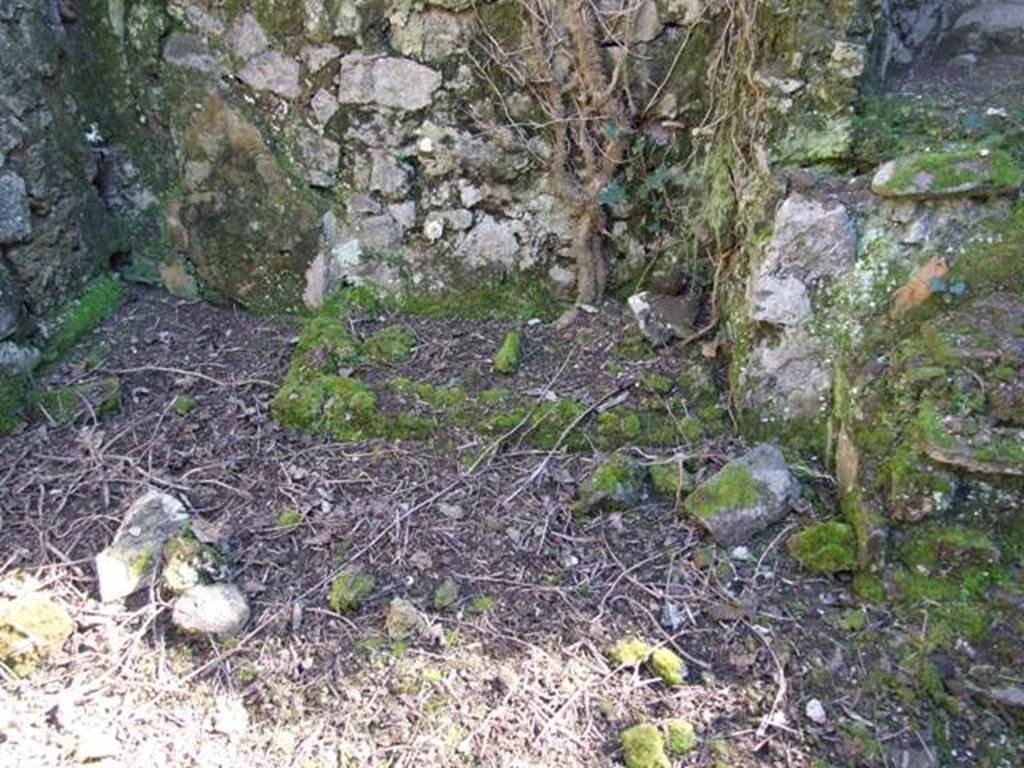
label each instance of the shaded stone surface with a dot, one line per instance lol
(251, 231)
(662, 318)
(11, 307)
(15, 218)
(191, 52)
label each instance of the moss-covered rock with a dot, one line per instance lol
(188, 562)
(828, 547)
(964, 173)
(32, 627)
(404, 621)
(507, 358)
(349, 588)
(746, 496)
(251, 227)
(619, 480)
(733, 487)
(643, 746)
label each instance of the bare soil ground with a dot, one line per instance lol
(516, 680)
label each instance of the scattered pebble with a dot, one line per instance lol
(815, 712)
(740, 553)
(212, 609)
(95, 746)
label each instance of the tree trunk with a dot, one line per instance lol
(586, 252)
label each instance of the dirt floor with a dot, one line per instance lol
(515, 675)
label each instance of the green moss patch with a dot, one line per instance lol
(507, 359)
(671, 480)
(511, 299)
(390, 345)
(183, 405)
(349, 588)
(342, 407)
(66, 404)
(643, 746)
(100, 299)
(32, 627)
(13, 393)
(667, 665)
(828, 547)
(628, 652)
(732, 488)
(682, 737)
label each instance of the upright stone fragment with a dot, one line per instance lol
(745, 497)
(15, 219)
(132, 559)
(813, 241)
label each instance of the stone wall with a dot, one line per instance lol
(262, 152)
(876, 329)
(55, 210)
